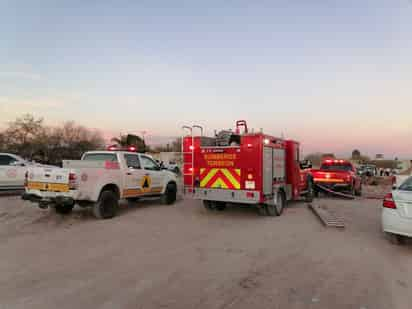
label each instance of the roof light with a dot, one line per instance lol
(328, 161)
(191, 147)
(112, 148)
(266, 141)
(132, 148)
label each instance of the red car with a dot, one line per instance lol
(338, 175)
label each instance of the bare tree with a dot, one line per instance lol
(28, 137)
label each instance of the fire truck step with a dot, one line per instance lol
(328, 217)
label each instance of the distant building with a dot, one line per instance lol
(379, 156)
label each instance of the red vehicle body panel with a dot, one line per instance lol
(232, 168)
(331, 175)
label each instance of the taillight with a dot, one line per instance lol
(26, 179)
(72, 181)
(388, 201)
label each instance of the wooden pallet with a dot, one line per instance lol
(328, 217)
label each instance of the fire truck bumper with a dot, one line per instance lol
(223, 195)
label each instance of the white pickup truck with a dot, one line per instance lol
(12, 171)
(99, 180)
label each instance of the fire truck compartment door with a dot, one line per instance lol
(279, 161)
(273, 168)
(267, 170)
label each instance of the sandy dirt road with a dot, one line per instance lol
(182, 256)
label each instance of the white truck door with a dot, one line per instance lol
(11, 172)
(153, 176)
(4, 165)
(134, 177)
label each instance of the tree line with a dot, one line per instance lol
(32, 139)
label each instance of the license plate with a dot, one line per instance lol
(52, 187)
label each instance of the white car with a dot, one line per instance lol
(99, 180)
(12, 171)
(397, 212)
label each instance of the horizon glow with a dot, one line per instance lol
(335, 77)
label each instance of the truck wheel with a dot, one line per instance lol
(276, 210)
(169, 197)
(221, 206)
(207, 205)
(64, 209)
(311, 193)
(107, 205)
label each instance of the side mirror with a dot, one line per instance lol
(394, 187)
(305, 164)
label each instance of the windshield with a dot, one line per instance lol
(111, 157)
(336, 167)
(406, 185)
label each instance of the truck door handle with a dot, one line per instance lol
(129, 174)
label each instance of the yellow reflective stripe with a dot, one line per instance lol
(232, 180)
(209, 176)
(219, 184)
(237, 171)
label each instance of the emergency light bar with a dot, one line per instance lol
(116, 148)
(333, 161)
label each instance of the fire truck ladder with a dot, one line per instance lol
(189, 166)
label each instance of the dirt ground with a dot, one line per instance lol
(182, 256)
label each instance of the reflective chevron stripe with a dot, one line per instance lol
(223, 178)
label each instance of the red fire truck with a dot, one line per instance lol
(244, 167)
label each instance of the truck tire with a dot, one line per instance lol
(169, 197)
(276, 210)
(311, 192)
(64, 209)
(220, 206)
(208, 205)
(107, 205)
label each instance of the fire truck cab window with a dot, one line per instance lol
(132, 161)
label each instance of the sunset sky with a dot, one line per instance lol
(336, 75)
